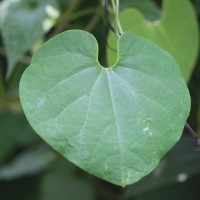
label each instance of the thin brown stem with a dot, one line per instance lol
(64, 19)
(92, 23)
(190, 130)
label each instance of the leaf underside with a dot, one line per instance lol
(115, 123)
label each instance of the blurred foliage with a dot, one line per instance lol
(164, 32)
(29, 169)
(149, 8)
(26, 18)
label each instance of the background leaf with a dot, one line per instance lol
(1, 84)
(15, 132)
(62, 183)
(197, 6)
(172, 170)
(183, 191)
(22, 23)
(29, 163)
(182, 42)
(148, 8)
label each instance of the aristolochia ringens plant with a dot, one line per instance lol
(115, 123)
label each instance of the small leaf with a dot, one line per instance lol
(29, 163)
(115, 123)
(176, 32)
(15, 132)
(22, 23)
(61, 183)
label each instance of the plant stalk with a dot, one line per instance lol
(117, 26)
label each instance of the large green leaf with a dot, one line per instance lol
(115, 123)
(176, 32)
(22, 23)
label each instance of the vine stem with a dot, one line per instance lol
(117, 18)
(195, 135)
(118, 27)
(93, 22)
(190, 130)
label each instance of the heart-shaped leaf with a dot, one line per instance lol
(116, 122)
(176, 32)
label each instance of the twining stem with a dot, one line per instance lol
(106, 10)
(190, 130)
(117, 18)
(195, 135)
(113, 5)
(118, 27)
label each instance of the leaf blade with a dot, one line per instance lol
(108, 121)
